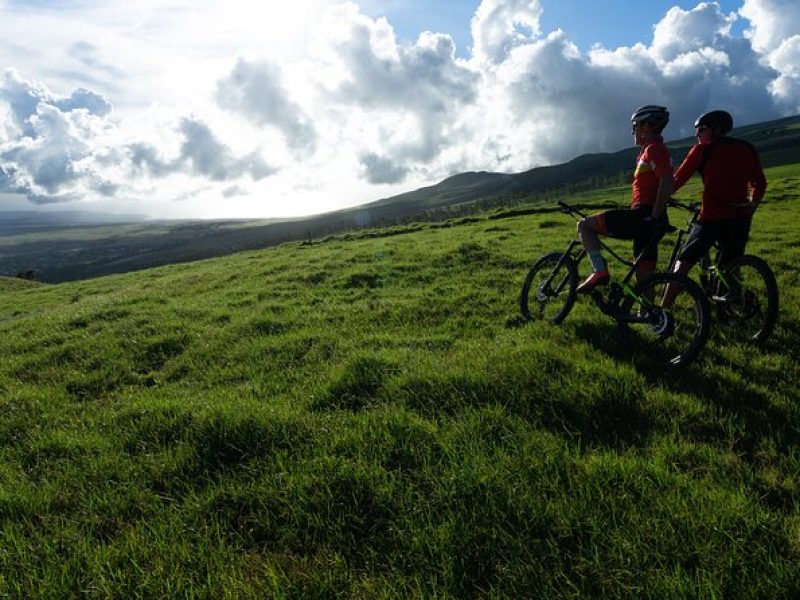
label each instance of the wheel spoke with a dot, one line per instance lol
(747, 300)
(549, 288)
(668, 331)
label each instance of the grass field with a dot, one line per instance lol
(368, 417)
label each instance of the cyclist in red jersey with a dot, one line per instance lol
(652, 188)
(733, 186)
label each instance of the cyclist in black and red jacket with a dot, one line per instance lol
(733, 186)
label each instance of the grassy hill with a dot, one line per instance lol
(367, 417)
(64, 254)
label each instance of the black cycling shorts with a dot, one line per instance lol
(730, 234)
(626, 224)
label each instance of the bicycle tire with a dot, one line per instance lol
(554, 267)
(671, 337)
(750, 310)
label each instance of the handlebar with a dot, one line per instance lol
(569, 209)
(692, 207)
(661, 228)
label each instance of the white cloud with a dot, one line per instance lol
(201, 153)
(682, 31)
(231, 106)
(557, 103)
(382, 170)
(775, 34)
(499, 26)
(57, 142)
(771, 22)
(402, 102)
(255, 90)
(67, 149)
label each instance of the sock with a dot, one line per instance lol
(597, 260)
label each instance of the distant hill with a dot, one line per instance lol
(15, 221)
(103, 250)
(10, 284)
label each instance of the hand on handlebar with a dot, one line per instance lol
(748, 204)
(687, 206)
(651, 225)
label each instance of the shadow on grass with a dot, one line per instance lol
(756, 402)
(784, 339)
(606, 412)
(603, 335)
(741, 392)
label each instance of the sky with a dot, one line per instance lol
(259, 109)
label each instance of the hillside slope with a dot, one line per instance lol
(368, 417)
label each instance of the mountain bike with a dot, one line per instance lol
(743, 293)
(673, 336)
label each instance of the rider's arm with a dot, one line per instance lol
(687, 168)
(662, 166)
(665, 189)
(758, 184)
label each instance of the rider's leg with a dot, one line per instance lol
(733, 237)
(588, 230)
(698, 243)
(645, 249)
(588, 234)
(682, 267)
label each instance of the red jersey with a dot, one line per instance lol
(652, 163)
(730, 169)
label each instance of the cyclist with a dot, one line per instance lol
(733, 186)
(652, 188)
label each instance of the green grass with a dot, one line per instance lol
(368, 417)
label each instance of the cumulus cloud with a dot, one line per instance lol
(775, 32)
(48, 152)
(400, 104)
(771, 22)
(255, 90)
(526, 97)
(201, 153)
(681, 31)
(361, 106)
(499, 26)
(693, 64)
(382, 170)
(24, 99)
(212, 159)
(63, 149)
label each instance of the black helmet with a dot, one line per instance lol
(657, 116)
(719, 121)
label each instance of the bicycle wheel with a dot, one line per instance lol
(548, 291)
(671, 336)
(746, 298)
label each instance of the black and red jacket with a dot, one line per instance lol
(730, 169)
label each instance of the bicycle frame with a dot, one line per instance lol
(705, 263)
(610, 304)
